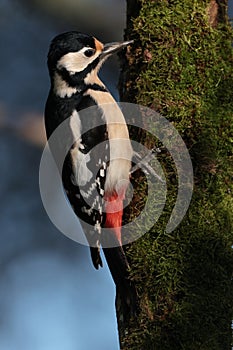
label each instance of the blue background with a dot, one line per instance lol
(50, 295)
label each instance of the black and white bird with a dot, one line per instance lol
(96, 169)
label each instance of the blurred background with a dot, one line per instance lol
(50, 295)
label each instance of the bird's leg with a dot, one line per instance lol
(143, 163)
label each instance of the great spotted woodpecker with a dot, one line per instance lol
(95, 179)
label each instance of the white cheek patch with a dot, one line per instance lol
(75, 62)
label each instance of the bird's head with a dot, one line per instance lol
(74, 56)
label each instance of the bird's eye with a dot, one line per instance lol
(89, 52)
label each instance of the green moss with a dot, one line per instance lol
(184, 278)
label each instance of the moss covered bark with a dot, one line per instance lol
(181, 66)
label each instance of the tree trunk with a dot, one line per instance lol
(181, 66)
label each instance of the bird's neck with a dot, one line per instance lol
(62, 88)
(65, 85)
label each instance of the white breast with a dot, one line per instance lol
(120, 146)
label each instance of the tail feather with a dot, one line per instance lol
(119, 268)
(95, 256)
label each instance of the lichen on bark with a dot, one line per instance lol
(181, 66)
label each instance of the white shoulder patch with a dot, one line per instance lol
(82, 174)
(76, 127)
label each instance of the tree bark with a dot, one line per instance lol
(181, 66)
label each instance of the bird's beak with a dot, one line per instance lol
(111, 48)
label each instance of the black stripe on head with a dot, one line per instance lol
(80, 76)
(77, 79)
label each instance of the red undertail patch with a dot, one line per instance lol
(114, 212)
